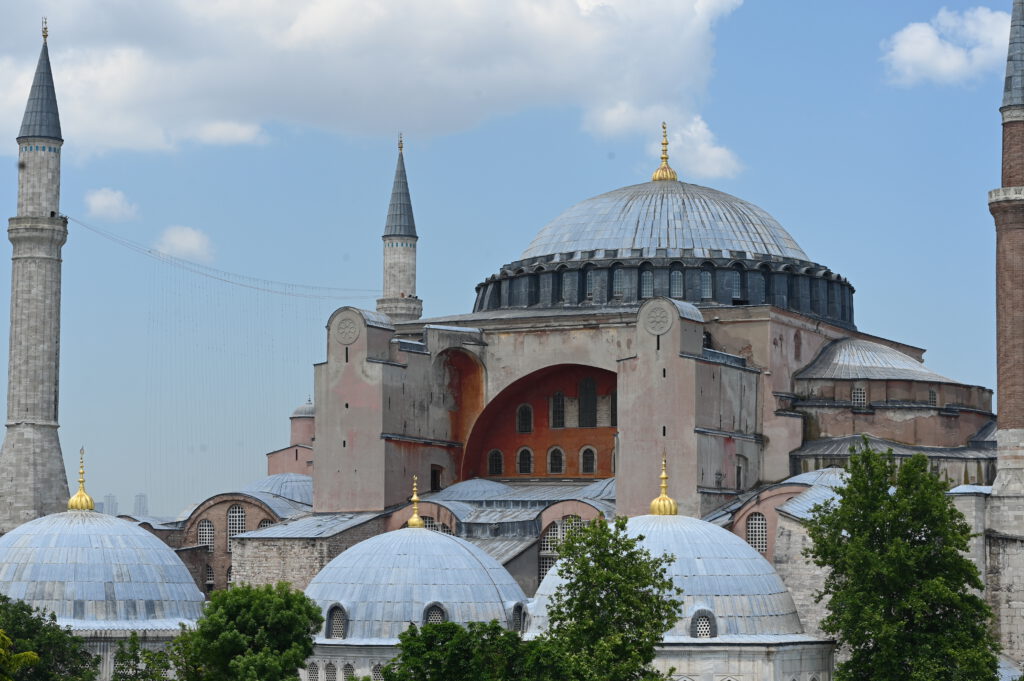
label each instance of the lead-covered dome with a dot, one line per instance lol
(95, 571)
(380, 585)
(668, 215)
(729, 589)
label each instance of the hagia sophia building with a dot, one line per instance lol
(660, 331)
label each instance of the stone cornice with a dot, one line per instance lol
(1012, 114)
(1006, 194)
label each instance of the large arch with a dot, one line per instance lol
(465, 378)
(495, 428)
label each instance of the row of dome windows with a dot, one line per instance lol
(348, 672)
(556, 461)
(34, 147)
(336, 622)
(236, 525)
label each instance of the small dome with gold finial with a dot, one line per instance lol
(664, 171)
(81, 501)
(664, 504)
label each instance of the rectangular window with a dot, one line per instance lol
(646, 284)
(558, 410)
(707, 284)
(859, 397)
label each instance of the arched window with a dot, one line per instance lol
(517, 617)
(524, 419)
(588, 461)
(556, 461)
(524, 462)
(313, 672)
(556, 286)
(618, 282)
(767, 286)
(337, 622)
(792, 293)
(707, 283)
(434, 614)
(570, 523)
(587, 283)
(676, 288)
(532, 290)
(757, 531)
(494, 462)
(703, 625)
(933, 398)
(348, 672)
(738, 283)
(204, 532)
(558, 410)
(330, 672)
(378, 672)
(548, 550)
(236, 520)
(567, 285)
(231, 580)
(266, 522)
(588, 403)
(646, 282)
(209, 576)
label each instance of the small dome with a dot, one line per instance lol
(476, 489)
(390, 580)
(719, 573)
(853, 358)
(306, 410)
(665, 215)
(95, 571)
(293, 486)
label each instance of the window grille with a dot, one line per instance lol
(313, 672)
(524, 419)
(933, 398)
(675, 284)
(532, 290)
(330, 672)
(378, 673)
(524, 462)
(550, 539)
(517, 617)
(757, 532)
(859, 397)
(231, 579)
(337, 622)
(707, 284)
(736, 284)
(703, 626)
(266, 522)
(348, 672)
(588, 403)
(444, 529)
(429, 523)
(646, 283)
(209, 575)
(618, 283)
(588, 284)
(205, 534)
(567, 283)
(588, 461)
(434, 615)
(494, 463)
(558, 410)
(544, 564)
(556, 462)
(570, 523)
(236, 520)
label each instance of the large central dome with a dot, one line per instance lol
(669, 215)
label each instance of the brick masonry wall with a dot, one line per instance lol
(1009, 218)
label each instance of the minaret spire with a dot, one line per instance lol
(399, 299)
(33, 481)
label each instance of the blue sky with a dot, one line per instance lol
(258, 138)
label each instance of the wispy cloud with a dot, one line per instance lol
(110, 204)
(187, 243)
(953, 47)
(223, 72)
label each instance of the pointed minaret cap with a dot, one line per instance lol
(400, 221)
(664, 171)
(41, 116)
(415, 520)
(81, 501)
(1013, 91)
(664, 504)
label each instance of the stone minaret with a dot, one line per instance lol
(399, 300)
(33, 481)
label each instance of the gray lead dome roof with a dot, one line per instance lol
(665, 215)
(389, 580)
(95, 571)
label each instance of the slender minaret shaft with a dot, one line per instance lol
(399, 300)
(33, 481)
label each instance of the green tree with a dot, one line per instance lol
(902, 594)
(450, 652)
(132, 662)
(11, 662)
(249, 633)
(64, 655)
(617, 600)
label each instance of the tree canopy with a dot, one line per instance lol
(902, 595)
(10, 661)
(64, 656)
(249, 633)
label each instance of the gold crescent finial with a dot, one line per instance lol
(400, 143)
(46, 31)
(664, 171)
(664, 504)
(415, 520)
(81, 501)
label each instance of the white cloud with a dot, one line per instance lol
(187, 243)
(952, 48)
(110, 204)
(223, 71)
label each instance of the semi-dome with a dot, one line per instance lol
(293, 486)
(670, 215)
(382, 584)
(856, 358)
(95, 571)
(729, 589)
(475, 489)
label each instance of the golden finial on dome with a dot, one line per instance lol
(664, 171)
(415, 520)
(664, 504)
(46, 31)
(81, 501)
